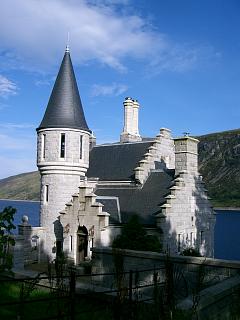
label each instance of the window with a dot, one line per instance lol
(46, 193)
(201, 237)
(43, 145)
(62, 146)
(81, 147)
(70, 243)
(179, 242)
(191, 239)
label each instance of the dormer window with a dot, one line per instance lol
(62, 146)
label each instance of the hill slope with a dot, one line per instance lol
(25, 186)
(219, 163)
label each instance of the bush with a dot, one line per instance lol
(6, 239)
(134, 237)
(191, 252)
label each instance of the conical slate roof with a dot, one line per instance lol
(64, 109)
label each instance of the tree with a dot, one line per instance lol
(135, 237)
(6, 239)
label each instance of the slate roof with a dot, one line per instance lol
(111, 205)
(64, 109)
(116, 162)
(145, 201)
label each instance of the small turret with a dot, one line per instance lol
(63, 152)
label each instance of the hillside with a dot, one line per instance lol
(25, 186)
(219, 163)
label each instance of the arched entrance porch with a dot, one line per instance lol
(82, 244)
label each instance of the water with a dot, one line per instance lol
(227, 235)
(29, 208)
(227, 228)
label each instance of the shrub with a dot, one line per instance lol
(191, 252)
(134, 237)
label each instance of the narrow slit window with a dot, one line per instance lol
(46, 193)
(191, 239)
(62, 146)
(201, 237)
(71, 243)
(80, 147)
(179, 242)
(43, 145)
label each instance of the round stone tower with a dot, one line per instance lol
(62, 153)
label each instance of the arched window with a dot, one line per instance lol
(82, 243)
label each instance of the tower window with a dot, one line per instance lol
(191, 239)
(62, 146)
(179, 242)
(70, 243)
(43, 145)
(46, 195)
(201, 237)
(81, 147)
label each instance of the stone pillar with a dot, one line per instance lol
(25, 230)
(130, 130)
(186, 155)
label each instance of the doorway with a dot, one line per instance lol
(82, 244)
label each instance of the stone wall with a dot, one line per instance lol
(60, 176)
(220, 284)
(161, 151)
(187, 218)
(85, 212)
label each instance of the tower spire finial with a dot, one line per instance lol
(68, 40)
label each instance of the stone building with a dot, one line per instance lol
(88, 191)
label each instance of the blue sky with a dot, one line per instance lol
(179, 58)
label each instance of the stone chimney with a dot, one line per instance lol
(186, 155)
(130, 130)
(92, 141)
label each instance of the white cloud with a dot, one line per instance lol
(114, 89)
(99, 30)
(40, 83)
(7, 87)
(182, 58)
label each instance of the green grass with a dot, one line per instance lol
(84, 307)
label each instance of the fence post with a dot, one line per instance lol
(72, 294)
(130, 285)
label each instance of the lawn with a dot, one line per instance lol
(54, 305)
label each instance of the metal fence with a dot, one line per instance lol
(135, 294)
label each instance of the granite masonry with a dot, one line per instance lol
(89, 191)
